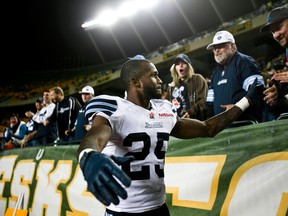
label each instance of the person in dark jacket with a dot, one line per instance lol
(277, 93)
(232, 77)
(65, 112)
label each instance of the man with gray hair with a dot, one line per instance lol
(232, 76)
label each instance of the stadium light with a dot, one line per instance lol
(106, 18)
(128, 8)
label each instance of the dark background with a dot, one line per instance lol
(47, 35)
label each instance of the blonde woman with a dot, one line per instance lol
(188, 90)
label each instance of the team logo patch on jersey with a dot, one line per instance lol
(151, 115)
(153, 124)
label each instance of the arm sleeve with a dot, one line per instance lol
(44, 113)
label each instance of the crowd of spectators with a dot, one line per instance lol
(12, 93)
(57, 118)
(268, 70)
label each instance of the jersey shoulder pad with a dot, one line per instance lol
(104, 104)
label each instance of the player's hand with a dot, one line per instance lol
(255, 92)
(101, 173)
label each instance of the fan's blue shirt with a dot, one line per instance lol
(231, 83)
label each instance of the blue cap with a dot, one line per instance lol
(182, 57)
(276, 15)
(137, 57)
(39, 100)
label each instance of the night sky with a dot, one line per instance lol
(47, 35)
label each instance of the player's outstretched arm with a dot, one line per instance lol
(100, 171)
(191, 128)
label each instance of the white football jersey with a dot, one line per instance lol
(144, 134)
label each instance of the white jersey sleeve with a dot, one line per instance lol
(144, 134)
(44, 113)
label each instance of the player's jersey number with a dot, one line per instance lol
(144, 173)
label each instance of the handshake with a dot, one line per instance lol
(101, 174)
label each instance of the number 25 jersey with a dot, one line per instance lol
(144, 134)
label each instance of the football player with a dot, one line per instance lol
(122, 155)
